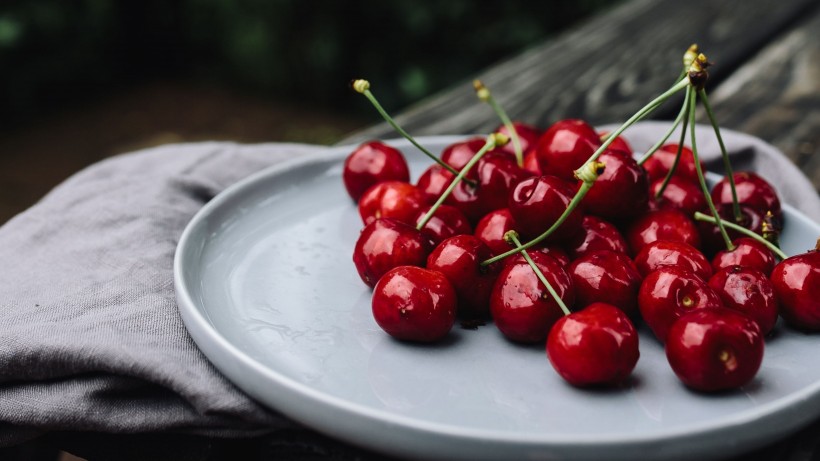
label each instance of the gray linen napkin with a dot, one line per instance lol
(90, 335)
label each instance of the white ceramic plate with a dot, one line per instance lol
(268, 290)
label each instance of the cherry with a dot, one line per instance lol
(606, 276)
(391, 199)
(668, 293)
(796, 281)
(527, 134)
(749, 292)
(531, 162)
(680, 194)
(446, 222)
(661, 225)
(458, 154)
(522, 308)
(748, 252)
(752, 190)
(565, 146)
(414, 304)
(619, 143)
(620, 192)
(597, 235)
(371, 163)
(492, 227)
(715, 349)
(459, 258)
(537, 202)
(750, 219)
(666, 253)
(657, 166)
(433, 181)
(386, 243)
(553, 251)
(595, 346)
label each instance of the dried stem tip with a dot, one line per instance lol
(511, 235)
(697, 71)
(690, 55)
(590, 171)
(481, 91)
(360, 85)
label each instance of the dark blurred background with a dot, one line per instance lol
(86, 79)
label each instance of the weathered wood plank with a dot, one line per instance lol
(776, 96)
(606, 68)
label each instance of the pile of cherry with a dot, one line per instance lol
(621, 256)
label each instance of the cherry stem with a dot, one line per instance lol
(679, 152)
(702, 217)
(727, 165)
(512, 237)
(485, 95)
(692, 101)
(363, 87)
(493, 140)
(589, 175)
(680, 118)
(643, 112)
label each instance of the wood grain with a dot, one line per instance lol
(607, 67)
(776, 96)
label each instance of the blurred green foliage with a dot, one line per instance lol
(53, 51)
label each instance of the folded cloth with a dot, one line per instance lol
(90, 335)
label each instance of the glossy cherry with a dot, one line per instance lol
(492, 227)
(658, 165)
(371, 163)
(446, 222)
(414, 304)
(796, 281)
(681, 194)
(662, 225)
(565, 146)
(668, 293)
(606, 276)
(553, 251)
(715, 349)
(522, 308)
(749, 292)
(619, 143)
(458, 154)
(752, 190)
(597, 235)
(531, 162)
(667, 253)
(391, 199)
(595, 346)
(751, 219)
(498, 174)
(459, 259)
(621, 191)
(385, 244)
(748, 252)
(536, 203)
(433, 181)
(528, 135)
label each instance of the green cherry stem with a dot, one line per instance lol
(485, 95)
(493, 140)
(692, 101)
(679, 152)
(727, 165)
(588, 174)
(711, 219)
(511, 237)
(363, 86)
(680, 118)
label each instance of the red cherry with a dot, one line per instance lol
(606, 276)
(620, 192)
(597, 345)
(715, 349)
(597, 235)
(752, 190)
(662, 225)
(553, 251)
(458, 154)
(565, 146)
(459, 259)
(796, 281)
(749, 292)
(385, 244)
(750, 219)
(618, 144)
(522, 308)
(391, 199)
(668, 293)
(492, 227)
(536, 203)
(434, 181)
(371, 163)
(498, 174)
(531, 162)
(748, 252)
(665, 253)
(527, 134)
(446, 222)
(658, 165)
(414, 304)
(680, 194)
